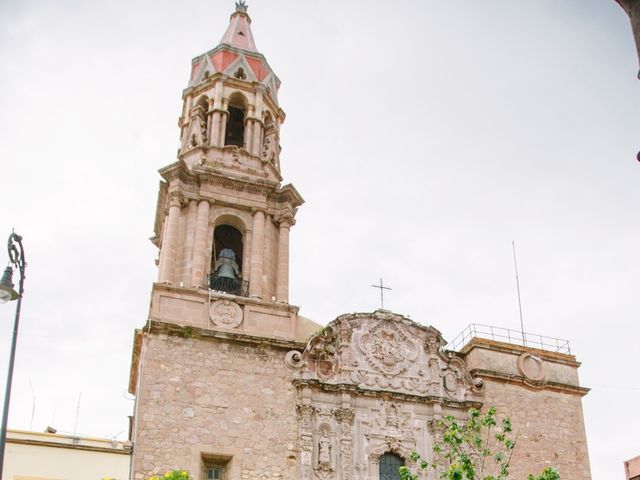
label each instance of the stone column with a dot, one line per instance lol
(246, 254)
(189, 242)
(282, 286)
(200, 244)
(248, 134)
(224, 116)
(215, 128)
(257, 255)
(258, 125)
(209, 116)
(169, 247)
(257, 136)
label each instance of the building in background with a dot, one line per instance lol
(53, 456)
(232, 383)
(632, 469)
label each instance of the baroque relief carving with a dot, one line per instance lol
(225, 313)
(389, 352)
(358, 379)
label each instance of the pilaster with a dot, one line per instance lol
(168, 252)
(282, 288)
(200, 245)
(257, 254)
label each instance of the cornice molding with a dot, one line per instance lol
(158, 327)
(387, 395)
(521, 380)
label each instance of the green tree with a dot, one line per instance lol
(479, 449)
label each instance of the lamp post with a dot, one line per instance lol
(7, 293)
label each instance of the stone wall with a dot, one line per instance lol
(540, 391)
(550, 428)
(231, 403)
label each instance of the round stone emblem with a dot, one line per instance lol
(450, 382)
(225, 313)
(532, 367)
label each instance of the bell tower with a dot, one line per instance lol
(223, 216)
(213, 394)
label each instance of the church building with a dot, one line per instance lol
(231, 383)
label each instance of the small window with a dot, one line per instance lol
(215, 473)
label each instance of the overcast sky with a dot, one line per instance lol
(424, 136)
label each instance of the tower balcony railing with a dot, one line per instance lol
(229, 285)
(506, 335)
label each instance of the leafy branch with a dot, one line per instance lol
(479, 449)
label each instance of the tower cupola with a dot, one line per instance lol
(232, 101)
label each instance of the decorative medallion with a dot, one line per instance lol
(532, 367)
(225, 313)
(450, 382)
(387, 349)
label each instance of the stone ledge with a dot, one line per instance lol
(520, 380)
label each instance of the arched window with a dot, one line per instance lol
(226, 260)
(235, 121)
(390, 464)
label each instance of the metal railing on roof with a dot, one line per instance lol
(506, 335)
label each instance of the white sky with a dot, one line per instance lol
(425, 136)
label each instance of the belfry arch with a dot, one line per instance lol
(227, 255)
(235, 130)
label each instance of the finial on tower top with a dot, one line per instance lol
(241, 6)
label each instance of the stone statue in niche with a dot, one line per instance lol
(268, 150)
(325, 461)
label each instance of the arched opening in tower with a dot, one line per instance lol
(235, 122)
(226, 259)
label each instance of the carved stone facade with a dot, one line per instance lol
(369, 384)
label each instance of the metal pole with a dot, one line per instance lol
(17, 258)
(515, 264)
(7, 392)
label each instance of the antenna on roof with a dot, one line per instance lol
(75, 425)
(515, 264)
(33, 404)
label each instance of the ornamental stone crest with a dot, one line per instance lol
(387, 348)
(384, 351)
(225, 313)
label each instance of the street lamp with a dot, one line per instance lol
(7, 293)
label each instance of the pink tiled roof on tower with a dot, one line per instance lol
(238, 33)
